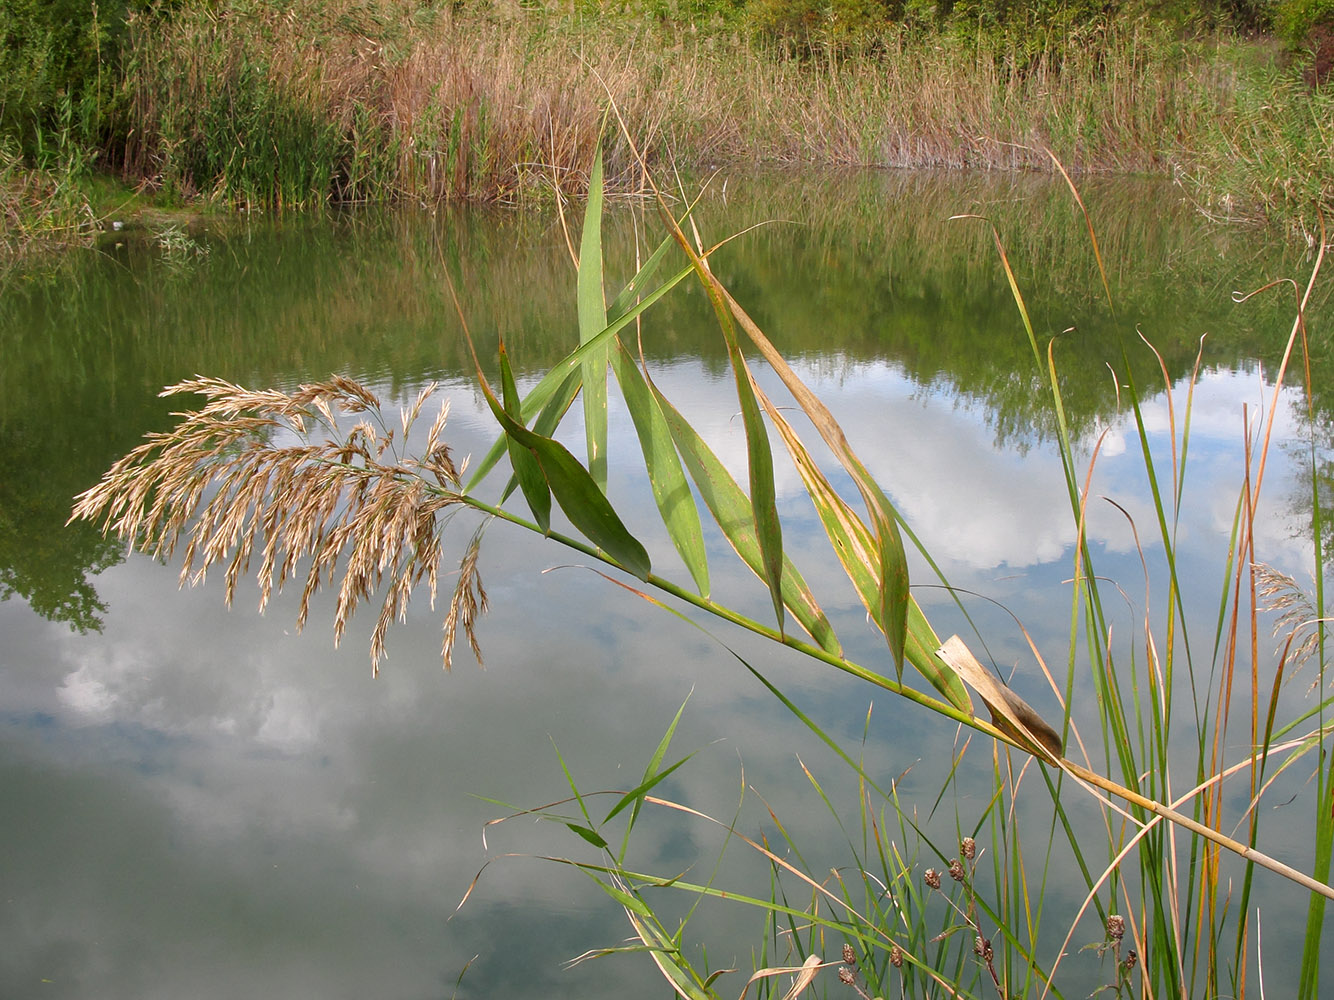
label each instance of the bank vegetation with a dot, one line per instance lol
(266, 104)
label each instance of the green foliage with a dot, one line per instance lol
(1033, 21)
(250, 141)
(262, 102)
(64, 52)
(50, 49)
(1294, 19)
(43, 207)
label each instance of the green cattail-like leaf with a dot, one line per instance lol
(670, 490)
(526, 467)
(592, 321)
(731, 509)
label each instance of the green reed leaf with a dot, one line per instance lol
(893, 593)
(592, 320)
(526, 467)
(565, 376)
(759, 458)
(588, 834)
(579, 496)
(862, 557)
(763, 493)
(731, 509)
(666, 476)
(636, 794)
(893, 581)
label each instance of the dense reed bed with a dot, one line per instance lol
(43, 208)
(263, 104)
(293, 104)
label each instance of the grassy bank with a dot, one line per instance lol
(265, 104)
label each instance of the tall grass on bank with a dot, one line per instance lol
(276, 104)
(319, 485)
(43, 207)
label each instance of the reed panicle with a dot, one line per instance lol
(1296, 620)
(278, 476)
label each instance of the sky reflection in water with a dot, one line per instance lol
(199, 802)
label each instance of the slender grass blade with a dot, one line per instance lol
(592, 320)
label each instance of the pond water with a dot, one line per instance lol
(199, 801)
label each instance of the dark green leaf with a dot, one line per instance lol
(526, 467)
(588, 834)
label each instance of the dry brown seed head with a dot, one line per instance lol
(849, 955)
(1132, 959)
(932, 878)
(846, 976)
(896, 957)
(956, 870)
(1116, 927)
(968, 847)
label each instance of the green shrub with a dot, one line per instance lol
(56, 50)
(1294, 19)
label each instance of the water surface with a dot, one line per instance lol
(201, 802)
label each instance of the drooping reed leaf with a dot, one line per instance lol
(759, 456)
(760, 464)
(729, 507)
(893, 593)
(668, 480)
(861, 558)
(526, 467)
(578, 495)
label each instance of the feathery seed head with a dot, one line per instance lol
(276, 476)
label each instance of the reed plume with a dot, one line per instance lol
(279, 475)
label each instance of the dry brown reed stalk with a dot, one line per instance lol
(336, 499)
